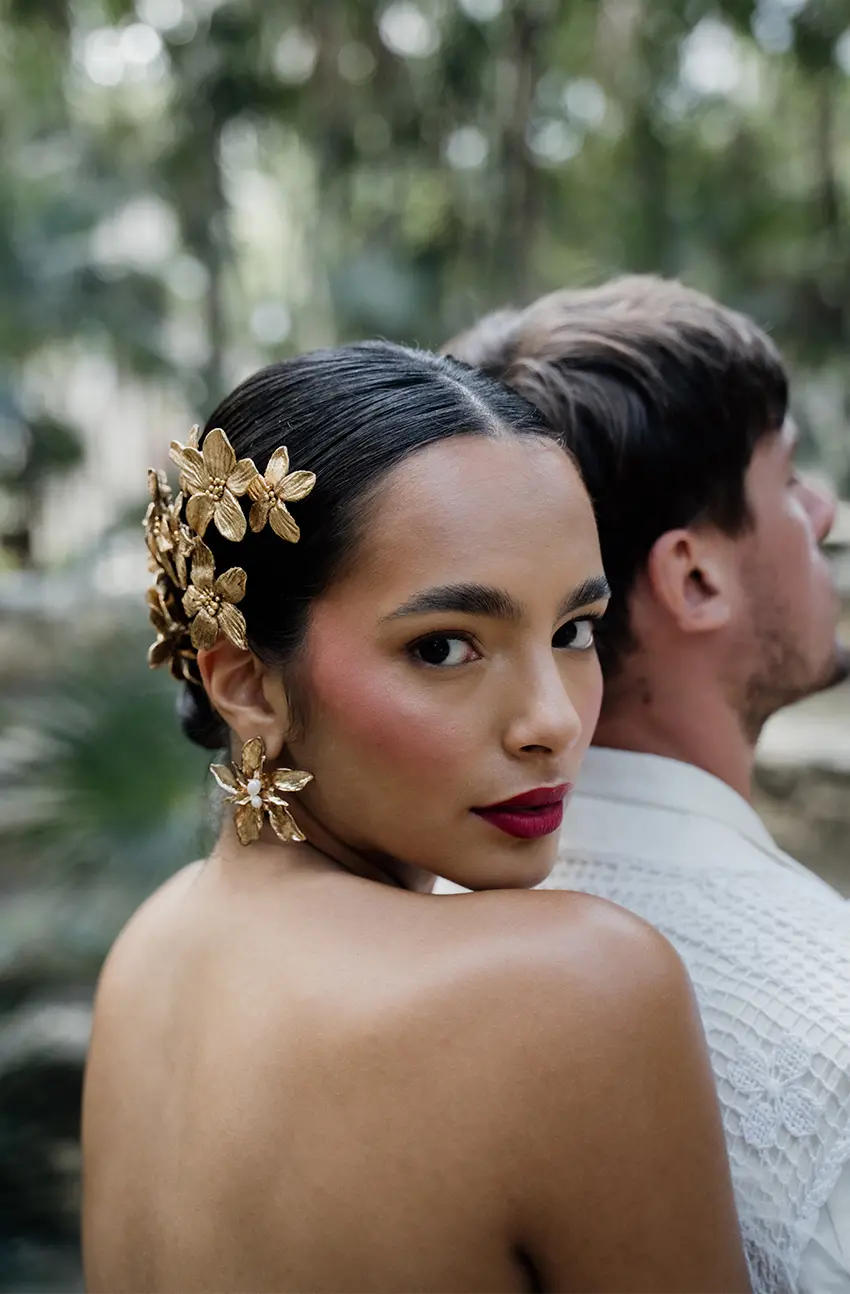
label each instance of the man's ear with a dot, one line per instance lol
(690, 577)
(239, 686)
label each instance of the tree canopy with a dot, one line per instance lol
(195, 186)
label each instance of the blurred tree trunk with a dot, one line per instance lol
(652, 243)
(196, 189)
(332, 115)
(521, 181)
(825, 151)
(637, 45)
(830, 224)
(827, 213)
(210, 247)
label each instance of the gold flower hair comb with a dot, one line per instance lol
(190, 607)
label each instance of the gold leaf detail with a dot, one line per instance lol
(253, 757)
(284, 825)
(249, 823)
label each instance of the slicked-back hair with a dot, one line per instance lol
(659, 392)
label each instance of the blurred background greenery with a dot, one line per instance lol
(195, 187)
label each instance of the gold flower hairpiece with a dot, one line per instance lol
(170, 544)
(210, 603)
(173, 646)
(271, 493)
(168, 539)
(214, 480)
(191, 610)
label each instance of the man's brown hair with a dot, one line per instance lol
(660, 393)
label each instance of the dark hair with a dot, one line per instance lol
(660, 393)
(350, 415)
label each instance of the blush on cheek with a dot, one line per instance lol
(379, 712)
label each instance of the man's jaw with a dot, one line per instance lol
(838, 670)
(766, 696)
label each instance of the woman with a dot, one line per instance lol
(307, 1072)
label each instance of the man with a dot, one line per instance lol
(723, 611)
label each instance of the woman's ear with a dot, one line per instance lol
(250, 700)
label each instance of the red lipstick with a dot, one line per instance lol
(530, 815)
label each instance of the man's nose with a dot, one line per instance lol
(821, 503)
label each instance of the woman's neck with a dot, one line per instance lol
(321, 846)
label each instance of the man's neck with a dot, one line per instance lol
(695, 729)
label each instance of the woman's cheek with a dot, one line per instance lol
(584, 685)
(377, 711)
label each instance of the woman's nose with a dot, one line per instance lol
(546, 720)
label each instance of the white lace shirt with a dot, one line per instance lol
(767, 946)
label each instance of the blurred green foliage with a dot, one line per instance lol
(95, 776)
(259, 178)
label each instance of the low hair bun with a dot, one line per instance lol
(200, 722)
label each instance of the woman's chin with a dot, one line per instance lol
(522, 869)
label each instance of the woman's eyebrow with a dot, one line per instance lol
(496, 604)
(464, 599)
(594, 589)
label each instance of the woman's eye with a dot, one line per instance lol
(443, 649)
(576, 635)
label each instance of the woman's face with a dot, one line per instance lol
(452, 668)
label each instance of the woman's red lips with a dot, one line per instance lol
(530, 815)
(536, 799)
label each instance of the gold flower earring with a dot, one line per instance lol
(253, 792)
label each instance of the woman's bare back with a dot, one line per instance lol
(313, 1082)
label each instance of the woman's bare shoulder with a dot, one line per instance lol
(601, 981)
(560, 940)
(149, 926)
(558, 976)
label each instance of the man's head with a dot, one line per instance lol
(676, 409)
